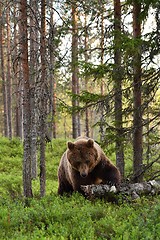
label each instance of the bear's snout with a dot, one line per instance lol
(83, 174)
(83, 170)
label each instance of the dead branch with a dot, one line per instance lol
(145, 169)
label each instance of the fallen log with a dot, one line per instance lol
(124, 191)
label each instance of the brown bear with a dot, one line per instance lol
(85, 163)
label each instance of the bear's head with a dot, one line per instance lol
(83, 156)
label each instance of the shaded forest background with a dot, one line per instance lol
(71, 68)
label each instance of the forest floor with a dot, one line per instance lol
(75, 217)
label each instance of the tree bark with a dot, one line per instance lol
(52, 87)
(102, 117)
(75, 83)
(33, 75)
(16, 80)
(117, 75)
(3, 74)
(9, 78)
(137, 85)
(123, 192)
(87, 129)
(27, 182)
(43, 103)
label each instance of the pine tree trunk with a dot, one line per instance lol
(2, 74)
(137, 85)
(102, 118)
(75, 83)
(43, 103)
(117, 75)
(87, 130)
(33, 75)
(18, 76)
(27, 182)
(16, 80)
(52, 88)
(9, 81)
(17, 69)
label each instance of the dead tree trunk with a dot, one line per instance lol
(124, 191)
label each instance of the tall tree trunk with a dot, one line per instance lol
(3, 74)
(33, 71)
(52, 105)
(137, 85)
(16, 78)
(75, 83)
(102, 120)
(9, 82)
(20, 102)
(117, 75)
(27, 182)
(17, 69)
(43, 103)
(87, 130)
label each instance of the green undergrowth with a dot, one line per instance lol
(77, 218)
(62, 218)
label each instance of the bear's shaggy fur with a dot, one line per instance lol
(85, 163)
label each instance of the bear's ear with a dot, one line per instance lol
(70, 145)
(90, 143)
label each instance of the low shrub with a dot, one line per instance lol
(63, 218)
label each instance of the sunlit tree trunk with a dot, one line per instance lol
(43, 100)
(75, 82)
(117, 75)
(3, 74)
(137, 98)
(27, 182)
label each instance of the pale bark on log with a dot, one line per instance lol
(127, 191)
